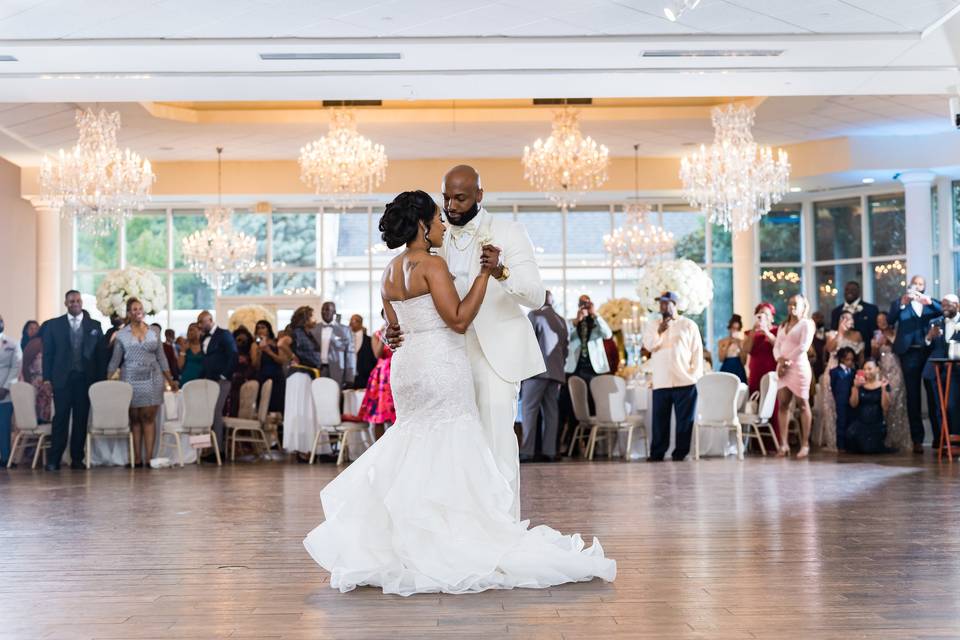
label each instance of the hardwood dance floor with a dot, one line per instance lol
(826, 548)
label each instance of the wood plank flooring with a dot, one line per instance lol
(824, 548)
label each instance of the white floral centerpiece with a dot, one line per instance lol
(249, 315)
(691, 283)
(615, 310)
(119, 286)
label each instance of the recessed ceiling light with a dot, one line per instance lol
(868, 181)
(795, 189)
(165, 148)
(331, 56)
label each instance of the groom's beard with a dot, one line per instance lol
(466, 217)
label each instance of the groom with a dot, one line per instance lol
(501, 345)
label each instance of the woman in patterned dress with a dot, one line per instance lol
(377, 407)
(898, 425)
(138, 353)
(826, 410)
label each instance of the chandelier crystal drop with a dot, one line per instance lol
(734, 181)
(96, 183)
(637, 242)
(567, 164)
(343, 164)
(219, 254)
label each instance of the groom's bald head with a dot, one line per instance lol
(462, 194)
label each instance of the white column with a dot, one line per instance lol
(745, 274)
(948, 282)
(49, 293)
(916, 186)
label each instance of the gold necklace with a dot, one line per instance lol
(470, 238)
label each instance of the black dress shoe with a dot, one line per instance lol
(77, 466)
(325, 457)
(51, 467)
(525, 459)
(651, 459)
(3, 465)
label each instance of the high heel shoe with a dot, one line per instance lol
(784, 451)
(803, 453)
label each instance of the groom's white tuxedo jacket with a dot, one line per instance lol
(503, 330)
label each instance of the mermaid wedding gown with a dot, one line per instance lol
(425, 509)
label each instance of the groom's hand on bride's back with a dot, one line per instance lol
(394, 336)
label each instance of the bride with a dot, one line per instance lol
(426, 509)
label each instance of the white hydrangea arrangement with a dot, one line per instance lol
(119, 286)
(684, 277)
(249, 315)
(615, 310)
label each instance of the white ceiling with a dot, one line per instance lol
(29, 129)
(72, 19)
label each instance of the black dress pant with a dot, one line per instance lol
(666, 401)
(911, 363)
(70, 401)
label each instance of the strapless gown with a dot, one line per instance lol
(425, 509)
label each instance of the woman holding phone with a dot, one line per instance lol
(758, 345)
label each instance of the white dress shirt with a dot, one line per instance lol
(206, 341)
(357, 341)
(461, 247)
(326, 333)
(75, 321)
(917, 307)
(677, 359)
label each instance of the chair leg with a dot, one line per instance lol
(763, 448)
(233, 446)
(774, 436)
(216, 448)
(573, 440)
(176, 436)
(37, 454)
(696, 441)
(130, 447)
(592, 442)
(739, 442)
(13, 449)
(313, 450)
(626, 455)
(342, 443)
(87, 453)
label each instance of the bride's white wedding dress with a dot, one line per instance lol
(425, 509)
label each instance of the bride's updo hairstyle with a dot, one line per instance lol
(402, 217)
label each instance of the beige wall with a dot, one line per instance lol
(18, 252)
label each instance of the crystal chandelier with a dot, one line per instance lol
(96, 182)
(735, 181)
(343, 164)
(219, 254)
(636, 242)
(566, 164)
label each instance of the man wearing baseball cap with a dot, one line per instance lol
(677, 363)
(940, 333)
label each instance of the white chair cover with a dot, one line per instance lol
(299, 416)
(24, 397)
(110, 407)
(199, 406)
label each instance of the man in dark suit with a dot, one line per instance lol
(73, 355)
(940, 333)
(540, 395)
(363, 349)
(219, 363)
(864, 314)
(841, 384)
(911, 314)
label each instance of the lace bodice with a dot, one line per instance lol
(418, 315)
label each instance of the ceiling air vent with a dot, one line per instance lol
(712, 53)
(8, 58)
(556, 101)
(352, 103)
(332, 56)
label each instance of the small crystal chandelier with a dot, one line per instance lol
(343, 164)
(219, 254)
(636, 242)
(735, 181)
(96, 182)
(566, 164)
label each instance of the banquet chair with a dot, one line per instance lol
(24, 397)
(247, 405)
(579, 398)
(110, 414)
(717, 398)
(610, 397)
(760, 421)
(326, 403)
(252, 430)
(196, 419)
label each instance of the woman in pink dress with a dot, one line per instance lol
(378, 407)
(793, 368)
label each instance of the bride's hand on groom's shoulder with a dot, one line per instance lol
(393, 335)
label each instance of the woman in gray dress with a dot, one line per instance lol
(138, 353)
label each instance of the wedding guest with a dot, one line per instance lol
(11, 358)
(586, 357)
(245, 369)
(864, 313)
(793, 369)
(911, 314)
(337, 357)
(363, 352)
(941, 332)
(841, 383)
(169, 352)
(269, 363)
(870, 398)
(190, 361)
(731, 350)
(676, 350)
(898, 426)
(845, 337)
(612, 349)
(72, 361)
(138, 354)
(758, 345)
(30, 330)
(819, 363)
(540, 395)
(116, 322)
(377, 407)
(299, 428)
(170, 338)
(31, 370)
(219, 363)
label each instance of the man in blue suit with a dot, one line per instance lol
(940, 333)
(841, 384)
(864, 314)
(911, 314)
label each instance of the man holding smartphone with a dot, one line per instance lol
(587, 358)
